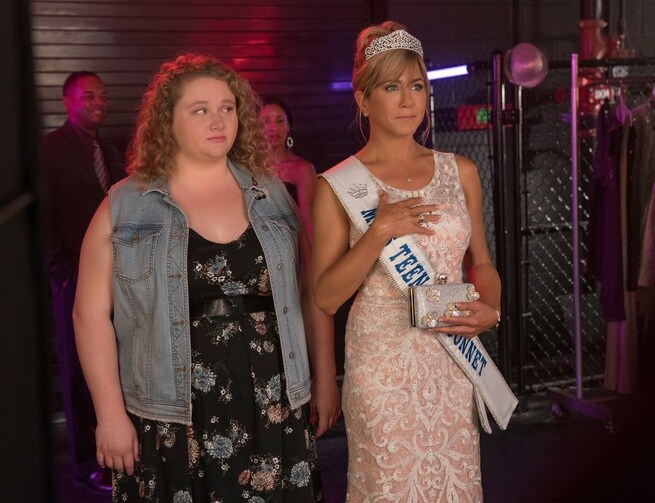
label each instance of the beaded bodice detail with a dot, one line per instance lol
(446, 247)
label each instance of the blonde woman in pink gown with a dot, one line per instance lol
(411, 419)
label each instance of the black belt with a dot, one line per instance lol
(233, 306)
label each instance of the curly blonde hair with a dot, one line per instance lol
(153, 147)
(384, 67)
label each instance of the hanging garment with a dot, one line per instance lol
(641, 173)
(621, 351)
(646, 290)
(644, 123)
(604, 245)
(621, 361)
(647, 269)
(644, 169)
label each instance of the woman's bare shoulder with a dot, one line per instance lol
(299, 169)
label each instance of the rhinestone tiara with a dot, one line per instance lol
(398, 39)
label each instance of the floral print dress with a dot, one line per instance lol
(246, 444)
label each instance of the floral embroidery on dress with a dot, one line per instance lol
(221, 332)
(409, 409)
(267, 396)
(300, 474)
(216, 270)
(203, 378)
(182, 497)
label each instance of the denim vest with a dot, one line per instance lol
(150, 237)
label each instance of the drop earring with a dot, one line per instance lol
(289, 142)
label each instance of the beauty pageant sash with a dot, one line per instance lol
(408, 266)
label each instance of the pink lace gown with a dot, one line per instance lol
(410, 415)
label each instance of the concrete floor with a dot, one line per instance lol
(539, 458)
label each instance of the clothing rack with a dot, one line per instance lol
(594, 403)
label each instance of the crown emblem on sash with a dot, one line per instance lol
(358, 190)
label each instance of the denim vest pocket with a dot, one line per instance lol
(134, 250)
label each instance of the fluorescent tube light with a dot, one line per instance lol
(443, 73)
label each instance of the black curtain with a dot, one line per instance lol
(24, 420)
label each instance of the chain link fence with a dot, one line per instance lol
(462, 124)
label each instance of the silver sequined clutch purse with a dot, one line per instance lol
(429, 302)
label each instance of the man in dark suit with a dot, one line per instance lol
(78, 168)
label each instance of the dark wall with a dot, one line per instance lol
(25, 474)
(299, 49)
(296, 49)
(466, 31)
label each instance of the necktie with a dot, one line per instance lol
(99, 166)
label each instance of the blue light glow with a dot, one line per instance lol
(443, 73)
(341, 85)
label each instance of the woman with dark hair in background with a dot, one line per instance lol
(298, 174)
(299, 177)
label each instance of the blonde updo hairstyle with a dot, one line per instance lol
(153, 148)
(384, 67)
